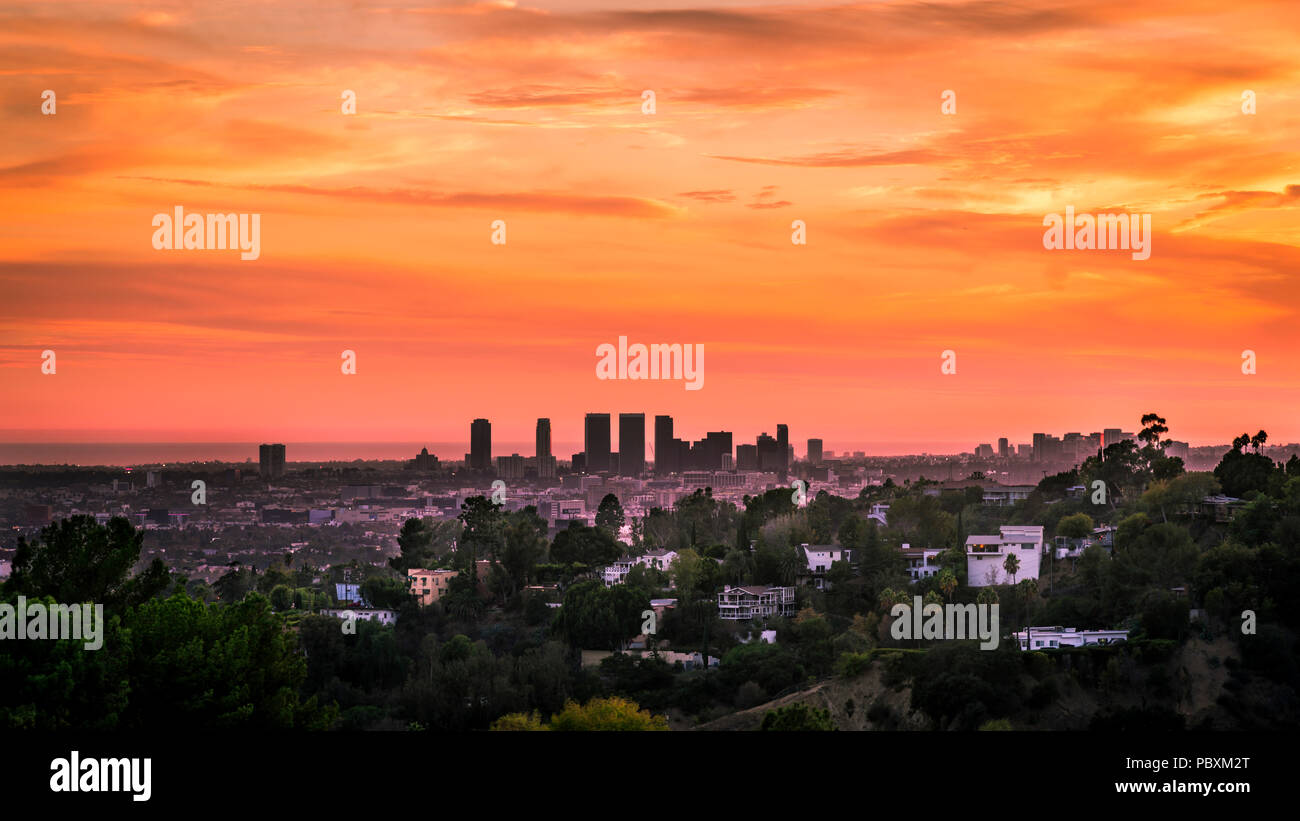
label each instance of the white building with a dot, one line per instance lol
(381, 616)
(880, 513)
(922, 562)
(745, 603)
(986, 556)
(1006, 495)
(617, 572)
(819, 559)
(1045, 638)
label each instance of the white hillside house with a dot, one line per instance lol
(986, 556)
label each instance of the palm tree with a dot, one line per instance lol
(1012, 564)
(1258, 440)
(947, 582)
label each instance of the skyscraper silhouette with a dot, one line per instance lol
(480, 445)
(665, 447)
(545, 461)
(596, 442)
(631, 444)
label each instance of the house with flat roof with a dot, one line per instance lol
(922, 562)
(1048, 638)
(986, 556)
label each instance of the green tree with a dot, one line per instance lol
(515, 560)
(609, 515)
(416, 543)
(1075, 526)
(606, 714)
(593, 616)
(590, 546)
(484, 532)
(76, 560)
(281, 597)
(797, 717)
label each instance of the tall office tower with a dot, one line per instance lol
(271, 461)
(543, 438)
(783, 446)
(769, 454)
(815, 451)
(545, 461)
(716, 445)
(579, 463)
(480, 445)
(665, 449)
(683, 449)
(631, 444)
(1040, 447)
(1004, 448)
(746, 457)
(596, 442)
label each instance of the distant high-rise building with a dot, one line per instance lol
(545, 461)
(543, 438)
(579, 463)
(425, 460)
(746, 457)
(783, 446)
(480, 445)
(665, 447)
(984, 451)
(1004, 448)
(707, 453)
(769, 454)
(815, 451)
(271, 461)
(510, 467)
(596, 442)
(1110, 436)
(631, 444)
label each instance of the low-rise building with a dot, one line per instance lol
(1046, 638)
(363, 614)
(922, 562)
(818, 559)
(617, 572)
(429, 585)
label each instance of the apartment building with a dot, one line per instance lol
(429, 585)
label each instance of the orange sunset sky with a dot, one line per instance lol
(924, 230)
